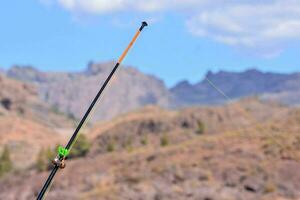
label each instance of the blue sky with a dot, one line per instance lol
(183, 41)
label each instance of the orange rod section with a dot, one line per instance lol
(129, 46)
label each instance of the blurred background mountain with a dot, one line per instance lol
(71, 93)
(140, 124)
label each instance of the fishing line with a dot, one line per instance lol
(247, 115)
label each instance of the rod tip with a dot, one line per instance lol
(144, 24)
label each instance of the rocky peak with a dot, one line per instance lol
(26, 73)
(97, 68)
(253, 71)
(183, 84)
(209, 74)
(227, 75)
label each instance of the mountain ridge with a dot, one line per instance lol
(235, 85)
(71, 92)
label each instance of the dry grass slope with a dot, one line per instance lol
(236, 157)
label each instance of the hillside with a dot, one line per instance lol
(247, 150)
(153, 123)
(21, 99)
(26, 123)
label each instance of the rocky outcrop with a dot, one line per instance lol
(72, 92)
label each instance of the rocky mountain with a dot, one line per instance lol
(72, 92)
(247, 150)
(283, 88)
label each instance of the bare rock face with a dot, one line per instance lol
(72, 92)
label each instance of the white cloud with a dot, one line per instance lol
(109, 6)
(265, 26)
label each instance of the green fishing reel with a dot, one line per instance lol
(59, 160)
(62, 152)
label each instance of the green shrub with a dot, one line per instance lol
(128, 145)
(110, 147)
(71, 116)
(44, 159)
(55, 109)
(50, 154)
(41, 162)
(200, 128)
(164, 141)
(144, 141)
(81, 147)
(269, 188)
(5, 162)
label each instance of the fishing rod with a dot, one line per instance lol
(59, 160)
